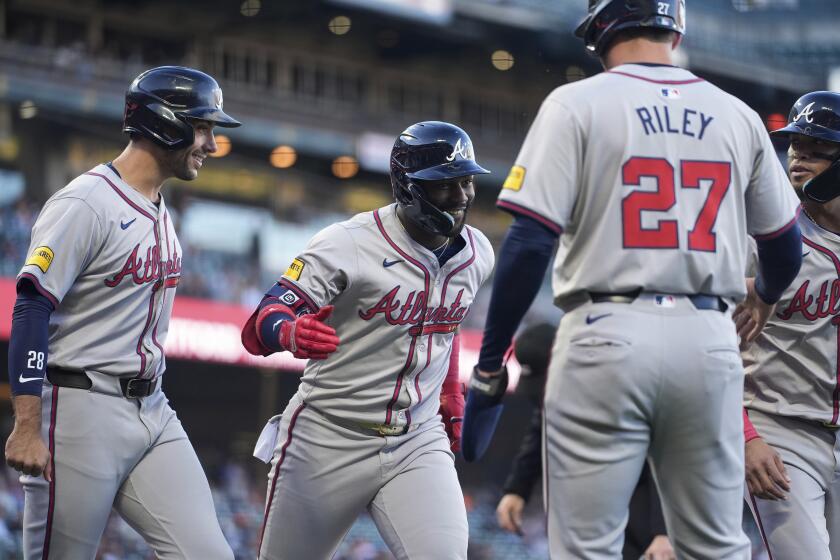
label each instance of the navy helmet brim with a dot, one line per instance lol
(216, 116)
(810, 130)
(446, 171)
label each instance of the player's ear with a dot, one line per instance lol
(677, 41)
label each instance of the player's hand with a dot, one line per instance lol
(767, 477)
(660, 549)
(509, 513)
(27, 453)
(308, 337)
(751, 315)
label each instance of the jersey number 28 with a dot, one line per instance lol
(665, 235)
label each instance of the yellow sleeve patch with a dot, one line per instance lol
(295, 269)
(42, 257)
(515, 178)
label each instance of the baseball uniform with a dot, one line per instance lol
(363, 430)
(653, 192)
(792, 398)
(109, 260)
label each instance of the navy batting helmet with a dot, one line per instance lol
(605, 18)
(430, 151)
(817, 115)
(161, 102)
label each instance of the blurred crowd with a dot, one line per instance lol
(239, 503)
(15, 227)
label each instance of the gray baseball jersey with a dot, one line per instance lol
(396, 313)
(653, 178)
(654, 189)
(109, 260)
(792, 368)
(791, 391)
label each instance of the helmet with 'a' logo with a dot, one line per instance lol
(162, 103)
(430, 151)
(605, 18)
(815, 114)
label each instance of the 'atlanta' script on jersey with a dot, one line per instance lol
(148, 270)
(414, 309)
(825, 304)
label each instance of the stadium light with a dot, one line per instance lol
(28, 109)
(223, 146)
(283, 157)
(339, 25)
(345, 167)
(250, 8)
(502, 60)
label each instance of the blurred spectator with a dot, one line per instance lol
(16, 222)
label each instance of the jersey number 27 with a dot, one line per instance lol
(666, 233)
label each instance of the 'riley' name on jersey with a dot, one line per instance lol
(148, 270)
(414, 310)
(662, 119)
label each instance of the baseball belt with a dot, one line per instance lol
(132, 388)
(368, 428)
(700, 301)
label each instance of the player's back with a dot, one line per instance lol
(666, 185)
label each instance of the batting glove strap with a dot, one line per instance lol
(490, 389)
(268, 331)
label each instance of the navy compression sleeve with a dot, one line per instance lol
(523, 258)
(28, 341)
(779, 260)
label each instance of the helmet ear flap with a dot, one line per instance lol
(401, 185)
(825, 187)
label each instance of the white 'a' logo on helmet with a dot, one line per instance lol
(462, 149)
(217, 98)
(806, 112)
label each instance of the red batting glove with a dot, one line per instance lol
(308, 337)
(452, 412)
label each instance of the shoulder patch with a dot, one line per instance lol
(295, 269)
(42, 257)
(515, 178)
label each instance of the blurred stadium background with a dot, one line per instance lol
(323, 87)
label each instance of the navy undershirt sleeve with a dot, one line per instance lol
(28, 341)
(523, 259)
(779, 260)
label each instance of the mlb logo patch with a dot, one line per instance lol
(670, 93)
(665, 301)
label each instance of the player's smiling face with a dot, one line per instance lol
(186, 162)
(453, 197)
(808, 157)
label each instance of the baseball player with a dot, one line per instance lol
(792, 394)
(374, 303)
(86, 350)
(651, 178)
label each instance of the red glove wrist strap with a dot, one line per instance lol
(269, 310)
